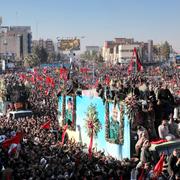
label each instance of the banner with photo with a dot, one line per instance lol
(69, 44)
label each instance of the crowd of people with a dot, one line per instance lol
(40, 155)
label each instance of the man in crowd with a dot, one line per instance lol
(164, 131)
(41, 157)
(167, 100)
(142, 137)
(173, 127)
(174, 163)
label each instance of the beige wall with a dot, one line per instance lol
(126, 52)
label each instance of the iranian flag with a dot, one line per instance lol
(46, 125)
(138, 62)
(135, 62)
(12, 143)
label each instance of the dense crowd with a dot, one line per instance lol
(40, 155)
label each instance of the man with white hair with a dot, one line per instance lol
(164, 131)
(114, 125)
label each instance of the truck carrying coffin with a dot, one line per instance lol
(88, 113)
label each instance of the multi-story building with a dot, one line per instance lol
(124, 40)
(125, 52)
(108, 51)
(15, 41)
(42, 43)
(47, 44)
(121, 50)
(150, 50)
(92, 49)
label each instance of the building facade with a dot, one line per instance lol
(47, 44)
(121, 50)
(125, 53)
(15, 41)
(92, 49)
(150, 50)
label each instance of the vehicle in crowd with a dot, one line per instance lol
(19, 114)
(91, 107)
(166, 147)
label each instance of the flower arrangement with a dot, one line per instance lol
(92, 123)
(132, 107)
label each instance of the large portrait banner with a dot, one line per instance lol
(114, 123)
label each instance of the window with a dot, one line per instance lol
(126, 50)
(111, 50)
(117, 48)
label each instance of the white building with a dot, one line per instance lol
(126, 52)
(121, 50)
(92, 48)
(15, 41)
(108, 51)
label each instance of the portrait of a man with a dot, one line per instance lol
(114, 125)
(69, 111)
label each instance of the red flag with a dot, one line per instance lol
(22, 76)
(44, 70)
(96, 83)
(63, 73)
(46, 125)
(52, 83)
(139, 65)
(48, 80)
(39, 78)
(13, 140)
(47, 92)
(141, 177)
(159, 166)
(63, 134)
(35, 71)
(32, 79)
(84, 70)
(158, 141)
(40, 87)
(130, 67)
(81, 70)
(107, 80)
(132, 63)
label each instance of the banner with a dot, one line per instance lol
(69, 44)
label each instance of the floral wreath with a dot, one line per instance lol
(132, 107)
(92, 123)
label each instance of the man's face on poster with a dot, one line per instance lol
(114, 114)
(70, 105)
